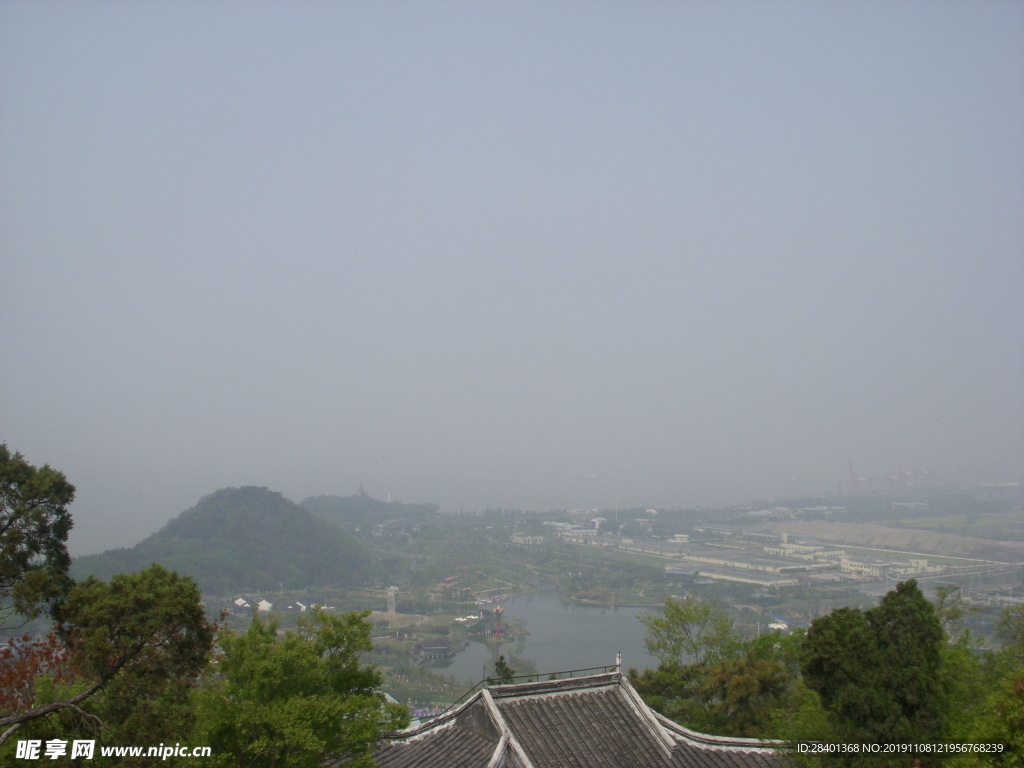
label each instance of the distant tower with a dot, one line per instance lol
(362, 491)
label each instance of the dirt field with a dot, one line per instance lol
(909, 540)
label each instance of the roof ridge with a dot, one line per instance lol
(511, 690)
(508, 739)
(647, 715)
(600, 719)
(711, 741)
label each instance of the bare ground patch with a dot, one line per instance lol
(910, 540)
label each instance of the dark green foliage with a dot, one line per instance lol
(740, 693)
(673, 690)
(34, 526)
(129, 652)
(1011, 631)
(691, 630)
(151, 626)
(802, 719)
(146, 624)
(1000, 720)
(838, 665)
(878, 672)
(244, 538)
(909, 641)
(710, 681)
(294, 700)
(503, 673)
(744, 693)
(360, 509)
(688, 639)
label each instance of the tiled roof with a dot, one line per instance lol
(589, 722)
(450, 746)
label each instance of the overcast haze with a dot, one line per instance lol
(529, 255)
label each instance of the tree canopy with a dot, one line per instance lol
(124, 657)
(34, 527)
(503, 672)
(117, 644)
(296, 699)
(121, 655)
(708, 679)
(878, 671)
(691, 631)
(361, 509)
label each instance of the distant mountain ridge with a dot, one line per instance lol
(242, 538)
(360, 509)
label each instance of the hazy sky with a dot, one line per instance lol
(529, 254)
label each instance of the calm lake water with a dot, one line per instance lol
(562, 636)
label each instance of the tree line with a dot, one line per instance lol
(134, 661)
(904, 672)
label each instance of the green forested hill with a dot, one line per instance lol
(360, 509)
(242, 538)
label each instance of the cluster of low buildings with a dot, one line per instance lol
(762, 559)
(265, 606)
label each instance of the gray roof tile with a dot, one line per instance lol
(443, 748)
(582, 730)
(590, 722)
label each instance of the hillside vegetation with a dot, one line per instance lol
(362, 510)
(247, 538)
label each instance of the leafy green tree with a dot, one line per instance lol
(803, 719)
(691, 639)
(152, 627)
(879, 672)
(1011, 630)
(742, 694)
(120, 663)
(951, 609)
(122, 655)
(34, 527)
(966, 677)
(296, 699)
(691, 631)
(503, 673)
(119, 667)
(674, 691)
(1000, 721)
(994, 713)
